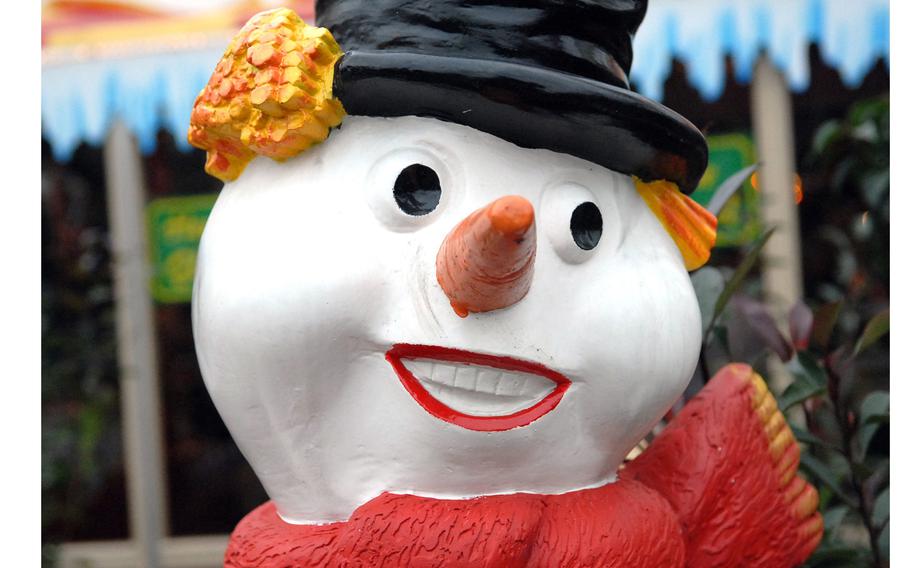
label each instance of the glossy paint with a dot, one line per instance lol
(270, 94)
(620, 525)
(590, 39)
(547, 74)
(728, 465)
(692, 227)
(717, 488)
(487, 262)
(523, 417)
(309, 273)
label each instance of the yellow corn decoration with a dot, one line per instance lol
(271, 94)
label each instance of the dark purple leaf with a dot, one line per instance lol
(739, 276)
(760, 320)
(800, 320)
(744, 343)
(839, 368)
(873, 479)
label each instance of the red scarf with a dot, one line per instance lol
(594, 527)
(717, 489)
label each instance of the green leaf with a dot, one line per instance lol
(874, 186)
(808, 438)
(91, 426)
(808, 380)
(796, 392)
(722, 337)
(884, 541)
(806, 368)
(881, 511)
(861, 471)
(873, 412)
(874, 407)
(835, 557)
(729, 186)
(824, 136)
(824, 496)
(865, 436)
(875, 329)
(825, 319)
(864, 111)
(739, 276)
(708, 283)
(820, 470)
(833, 518)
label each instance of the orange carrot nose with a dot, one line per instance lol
(487, 261)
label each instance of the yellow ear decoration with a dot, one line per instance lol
(693, 228)
(270, 94)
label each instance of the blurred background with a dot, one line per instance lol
(138, 468)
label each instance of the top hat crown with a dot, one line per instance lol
(549, 74)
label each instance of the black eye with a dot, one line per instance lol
(587, 225)
(417, 190)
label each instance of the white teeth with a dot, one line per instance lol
(466, 378)
(421, 368)
(443, 374)
(511, 384)
(478, 390)
(487, 379)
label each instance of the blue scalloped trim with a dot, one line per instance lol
(150, 92)
(852, 35)
(79, 100)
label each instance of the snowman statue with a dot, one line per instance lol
(444, 292)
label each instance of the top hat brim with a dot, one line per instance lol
(530, 106)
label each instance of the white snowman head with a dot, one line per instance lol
(419, 305)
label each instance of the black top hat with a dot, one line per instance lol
(540, 73)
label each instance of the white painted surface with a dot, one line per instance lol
(782, 274)
(308, 274)
(139, 386)
(177, 552)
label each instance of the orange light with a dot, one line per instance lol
(753, 179)
(797, 189)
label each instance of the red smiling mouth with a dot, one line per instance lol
(491, 393)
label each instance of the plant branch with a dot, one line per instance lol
(841, 413)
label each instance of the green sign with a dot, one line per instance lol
(175, 226)
(738, 222)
